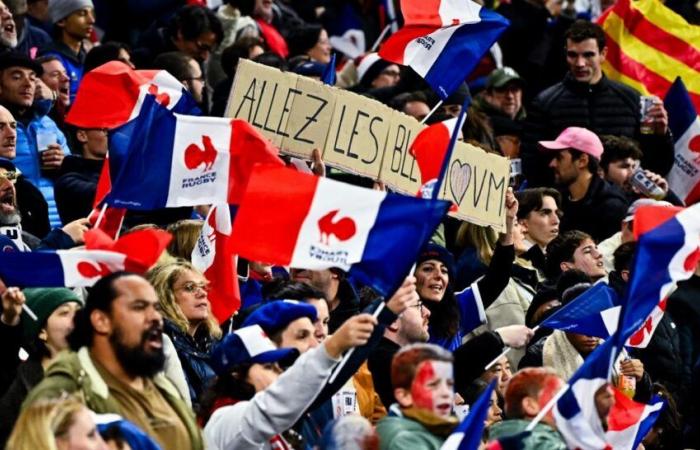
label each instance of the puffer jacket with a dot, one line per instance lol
(194, 352)
(598, 213)
(607, 107)
(543, 436)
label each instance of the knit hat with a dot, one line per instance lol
(43, 302)
(439, 253)
(310, 69)
(544, 295)
(276, 315)
(302, 39)
(369, 68)
(247, 345)
(60, 9)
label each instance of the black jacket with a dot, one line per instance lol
(194, 353)
(606, 107)
(379, 364)
(29, 374)
(598, 213)
(33, 208)
(75, 187)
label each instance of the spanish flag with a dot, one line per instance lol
(649, 46)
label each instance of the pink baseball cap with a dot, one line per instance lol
(577, 138)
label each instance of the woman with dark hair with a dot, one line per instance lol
(311, 41)
(43, 339)
(104, 53)
(435, 275)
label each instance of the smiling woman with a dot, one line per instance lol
(183, 296)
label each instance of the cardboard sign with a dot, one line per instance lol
(357, 134)
(477, 182)
(399, 168)
(364, 137)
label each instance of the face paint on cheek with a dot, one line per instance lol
(421, 393)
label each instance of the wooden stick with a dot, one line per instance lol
(29, 312)
(379, 40)
(101, 216)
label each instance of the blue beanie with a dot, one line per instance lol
(276, 315)
(439, 253)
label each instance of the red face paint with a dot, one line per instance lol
(432, 387)
(421, 393)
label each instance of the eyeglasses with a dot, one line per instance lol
(202, 47)
(9, 175)
(390, 73)
(418, 305)
(191, 287)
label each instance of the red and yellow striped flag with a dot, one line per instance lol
(649, 46)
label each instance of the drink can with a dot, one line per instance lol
(44, 139)
(645, 186)
(646, 124)
(627, 385)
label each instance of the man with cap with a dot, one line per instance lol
(502, 102)
(73, 22)
(117, 363)
(589, 203)
(18, 84)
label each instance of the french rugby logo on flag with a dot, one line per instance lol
(164, 160)
(684, 177)
(125, 90)
(212, 255)
(665, 255)
(438, 33)
(135, 252)
(294, 219)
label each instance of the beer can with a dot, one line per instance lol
(646, 102)
(645, 186)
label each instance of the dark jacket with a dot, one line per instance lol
(598, 213)
(32, 207)
(607, 107)
(472, 356)
(75, 187)
(194, 353)
(379, 364)
(29, 374)
(31, 39)
(348, 306)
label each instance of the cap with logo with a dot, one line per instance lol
(576, 138)
(500, 77)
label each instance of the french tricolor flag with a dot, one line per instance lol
(163, 160)
(595, 312)
(124, 90)
(575, 412)
(289, 218)
(135, 252)
(629, 421)
(471, 309)
(429, 148)
(467, 436)
(443, 40)
(664, 256)
(684, 177)
(213, 256)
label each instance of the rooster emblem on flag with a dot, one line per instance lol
(343, 229)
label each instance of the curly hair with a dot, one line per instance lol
(163, 278)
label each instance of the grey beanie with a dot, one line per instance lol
(60, 9)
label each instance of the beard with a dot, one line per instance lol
(13, 218)
(135, 360)
(8, 40)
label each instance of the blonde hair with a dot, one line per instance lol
(483, 239)
(163, 278)
(185, 234)
(42, 422)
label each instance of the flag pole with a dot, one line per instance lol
(504, 353)
(425, 119)
(379, 40)
(29, 312)
(101, 216)
(550, 404)
(346, 357)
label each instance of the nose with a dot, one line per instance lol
(425, 312)
(555, 219)
(91, 17)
